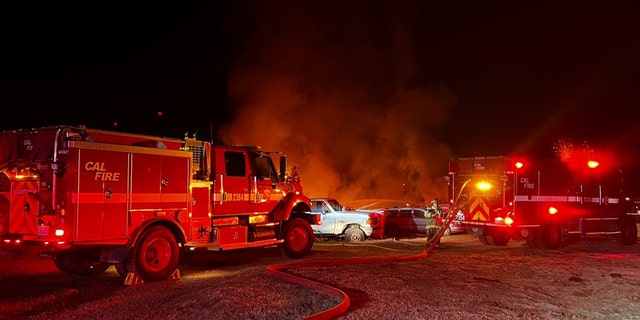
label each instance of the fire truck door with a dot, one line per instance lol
(101, 198)
(201, 207)
(233, 186)
(266, 194)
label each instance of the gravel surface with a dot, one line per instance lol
(462, 279)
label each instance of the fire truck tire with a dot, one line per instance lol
(155, 256)
(85, 263)
(500, 237)
(298, 238)
(547, 237)
(354, 234)
(485, 237)
(551, 236)
(494, 237)
(628, 232)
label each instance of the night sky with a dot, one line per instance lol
(369, 99)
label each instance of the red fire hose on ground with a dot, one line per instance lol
(278, 270)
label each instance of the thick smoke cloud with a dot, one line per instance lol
(335, 89)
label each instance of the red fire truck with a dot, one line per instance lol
(93, 198)
(546, 202)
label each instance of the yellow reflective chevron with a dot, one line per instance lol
(479, 208)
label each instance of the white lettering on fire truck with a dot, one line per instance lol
(27, 144)
(101, 174)
(526, 184)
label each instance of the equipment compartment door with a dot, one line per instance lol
(159, 182)
(102, 195)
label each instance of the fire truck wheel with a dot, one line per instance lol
(354, 234)
(551, 236)
(155, 257)
(628, 232)
(63, 263)
(500, 237)
(298, 238)
(485, 237)
(84, 263)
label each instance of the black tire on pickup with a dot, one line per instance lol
(354, 234)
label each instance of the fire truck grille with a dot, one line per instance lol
(197, 151)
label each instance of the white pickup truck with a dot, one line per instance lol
(336, 221)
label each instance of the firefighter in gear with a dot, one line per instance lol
(433, 215)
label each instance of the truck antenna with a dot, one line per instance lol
(211, 129)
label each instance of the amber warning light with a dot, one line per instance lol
(483, 185)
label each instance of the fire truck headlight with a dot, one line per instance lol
(553, 210)
(59, 232)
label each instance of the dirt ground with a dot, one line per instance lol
(590, 279)
(463, 279)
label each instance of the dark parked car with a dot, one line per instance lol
(407, 222)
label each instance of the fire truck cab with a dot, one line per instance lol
(92, 198)
(546, 202)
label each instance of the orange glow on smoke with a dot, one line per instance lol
(350, 139)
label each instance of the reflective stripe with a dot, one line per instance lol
(565, 199)
(479, 208)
